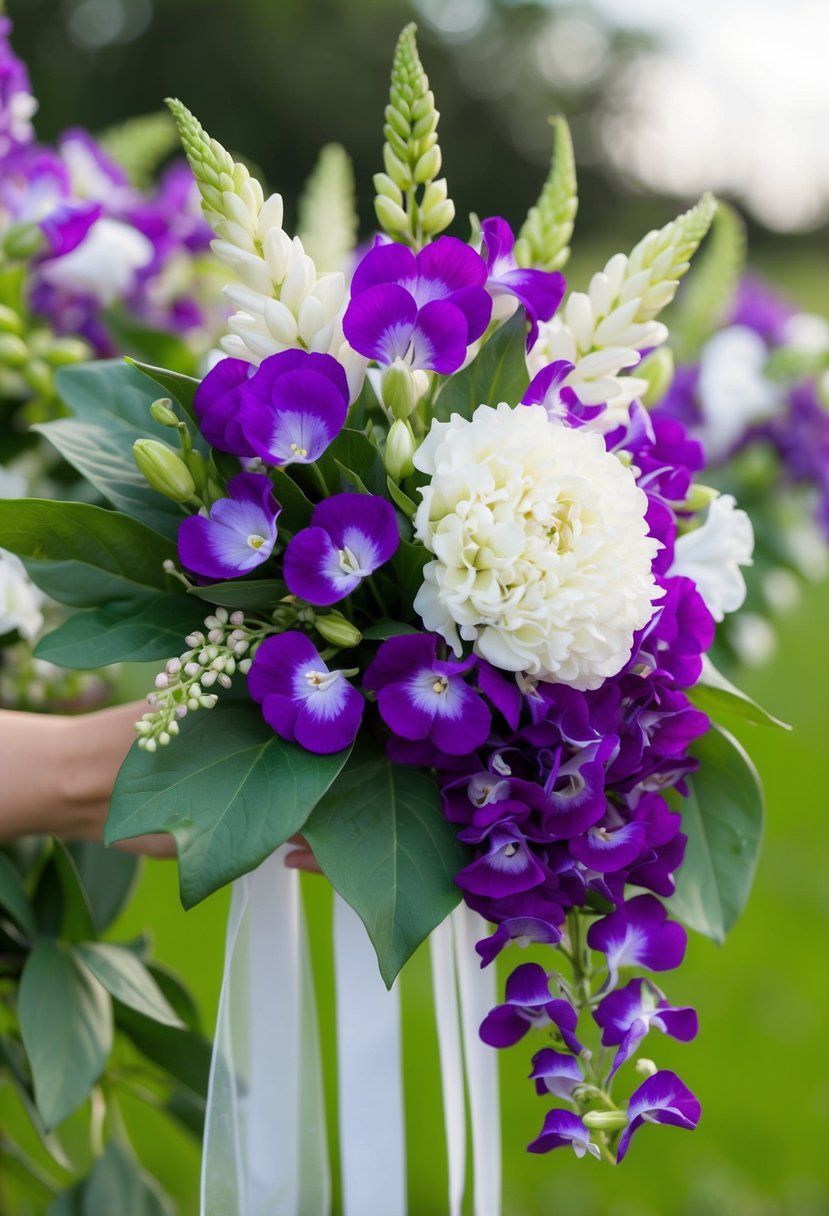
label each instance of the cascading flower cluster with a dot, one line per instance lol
(466, 585)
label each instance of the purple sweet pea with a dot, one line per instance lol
(555, 1072)
(539, 291)
(238, 535)
(607, 848)
(561, 402)
(508, 867)
(563, 1129)
(17, 105)
(638, 934)
(663, 1098)
(423, 697)
(522, 930)
(529, 1004)
(627, 1014)
(350, 536)
(294, 406)
(423, 308)
(218, 402)
(301, 699)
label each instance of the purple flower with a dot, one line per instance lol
(639, 934)
(301, 699)
(607, 848)
(508, 867)
(519, 929)
(294, 406)
(539, 291)
(350, 536)
(16, 102)
(423, 697)
(35, 190)
(218, 402)
(93, 174)
(759, 307)
(424, 308)
(529, 1004)
(663, 1098)
(238, 535)
(555, 1072)
(563, 1128)
(561, 402)
(627, 1015)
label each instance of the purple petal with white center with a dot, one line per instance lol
(350, 536)
(476, 305)
(555, 1072)
(663, 1098)
(67, 224)
(522, 930)
(386, 262)
(609, 849)
(502, 692)
(528, 985)
(639, 933)
(238, 535)
(627, 1015)
(563, 1129)
(506, 1025)
(217, 403)
(294, 406)
(439, 338)
(507, 868)
(446, 266)
(498, 244)
(301, 699)
(380, 322)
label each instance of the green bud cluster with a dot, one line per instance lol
(543, 241)
(33, 355)
(706, 299)
(328, 221)
(411, 154)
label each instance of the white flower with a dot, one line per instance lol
(807, 333)
(20, 600)
(542, 553)
(105, 263)
(733, 392)
(712, 555)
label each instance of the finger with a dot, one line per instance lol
(302, 859)
(159, 845)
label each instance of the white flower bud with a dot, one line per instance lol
(400, 448)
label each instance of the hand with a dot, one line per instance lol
(301, 858)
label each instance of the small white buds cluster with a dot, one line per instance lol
(187, 682)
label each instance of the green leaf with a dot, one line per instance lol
(400, 499)
(352, 479)
(387, 629)
(127, 979)
(228, 789)
(68, 1203)
(352, 458)
(108, 877)
(60, 900)
(184, 1054)
(188, 1109)
(403, 575)
(13, 898)
(243, 593)
(178, 995)
(141, 630)
(714, 694)
(142, 342)
(497, 373)
(723, 819)
(296, 506)
(16, 1066)
(117, 1186)
(84, 555)
(383, 843)
(66, 1023)
(182, 388)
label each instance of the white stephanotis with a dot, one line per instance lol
(733, 391)
(712, 555)
(542, 557)
(20, 599)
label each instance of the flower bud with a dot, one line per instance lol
(645, 1067)
(605, 1120)
(400, 448)
(162, 412)
(699, 497)
(438, 218)
(164, 470)
(38, 375)
(397, 170)
(23, 241)
(337, 630)
(398, 389)
(10, 320)
(62, 352)
(658, 370)
(385, 186)
(428, 166)
(390, 216)
(13, 350)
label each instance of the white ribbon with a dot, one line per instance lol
(265, 1152)
(372, 1132)
(456, 969)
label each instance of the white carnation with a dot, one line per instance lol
(712, 555)
(542, 553)
(20, 600)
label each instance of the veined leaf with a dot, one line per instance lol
(107, 876)
(152, 627)
(13, 898)
(127, 979)
(243, 593)
(497, 373)
(183, 388)
(117, 1184)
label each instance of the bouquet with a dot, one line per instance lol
(431, 585)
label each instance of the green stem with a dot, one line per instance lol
(320, 480)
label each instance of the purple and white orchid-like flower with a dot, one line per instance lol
(663, 1098)
(564, 1129)
(17, 105)
(293, 407)
(555, 1072)
(529, 1003)
(301, 699)
(627, 1015)
(522, 930)
(539, 292)
(562, 403)
(423, 697)
(217, 403)
(239, 533)
(350, 536)
(424, 309)
(638, 933)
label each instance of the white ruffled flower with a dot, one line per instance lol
(732, 389)
(712, 555)
(542, 553)
(20, 599)
(105, 264)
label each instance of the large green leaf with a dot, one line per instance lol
(184, 1054)
(127, 979)
(117, 1186)
(352, 452)
(182, 388)
(228, 789)
(107, 875)
(61, 904)
(715, 694)
(497, 373)
(13, 899)
(723, 818)
(66, 1023)
(84, 555)
(383, 843)
(243, 593)
(149, 627)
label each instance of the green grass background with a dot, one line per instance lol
(760, 1065)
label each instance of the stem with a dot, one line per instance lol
(376, 596)
(318, 477)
